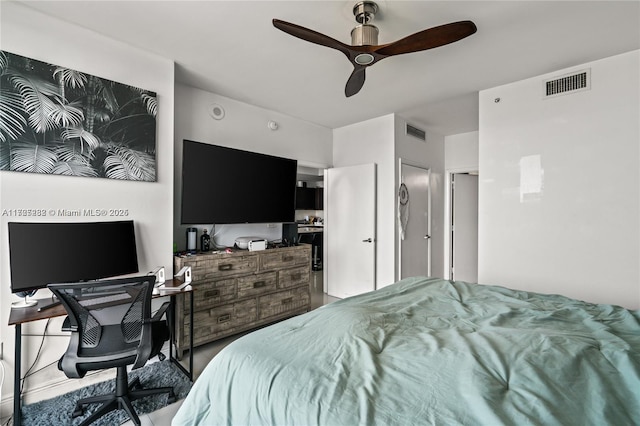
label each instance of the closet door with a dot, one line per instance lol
(350, 225)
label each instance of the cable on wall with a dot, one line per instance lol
(35, 361)
(2, 380)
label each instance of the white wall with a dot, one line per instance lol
(427, 154)
(372, 141)
(461, 152)
(579, 233)
(37, 36)
(244, 127)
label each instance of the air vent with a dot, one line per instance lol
(570, 83)
(416, 133)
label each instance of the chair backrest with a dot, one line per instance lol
(109, 322)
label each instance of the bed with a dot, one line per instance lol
(433, 352)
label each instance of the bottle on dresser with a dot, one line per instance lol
(205, 241)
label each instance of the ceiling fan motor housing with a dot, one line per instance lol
(364, 35)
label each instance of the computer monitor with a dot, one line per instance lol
(48, 252)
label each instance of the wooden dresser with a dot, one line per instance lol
(235, 292)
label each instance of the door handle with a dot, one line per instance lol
(368, 240)
(426, 237)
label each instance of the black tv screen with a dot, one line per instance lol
(41, 253)
(222, 185)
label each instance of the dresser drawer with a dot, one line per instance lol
(215, 267)
(256, 284)
(294, 277)
(222, 320)
(209, 293)
(285, 258)
(283, 302)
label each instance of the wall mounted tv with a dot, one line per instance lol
(41, 253)
(222, 185)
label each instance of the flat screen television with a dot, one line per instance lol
(222, 185)
(41, 253)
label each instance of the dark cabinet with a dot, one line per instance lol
(309, 198)
(304, 198)
(319, 199)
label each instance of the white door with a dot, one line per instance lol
(415, 254)
(350, 223)
(464, 229)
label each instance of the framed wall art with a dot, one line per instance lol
(55, 120)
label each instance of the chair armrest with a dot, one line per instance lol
(147, 343)
(66, 325)
(161, 312)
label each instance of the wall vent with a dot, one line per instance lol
(415, 132)
(570, 83)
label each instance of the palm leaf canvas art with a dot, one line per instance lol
(56, 120)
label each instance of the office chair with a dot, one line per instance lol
(111, 327)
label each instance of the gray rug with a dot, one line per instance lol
(57, 411)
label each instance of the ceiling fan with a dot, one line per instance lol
(364, 51)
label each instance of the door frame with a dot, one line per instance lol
(448, 215)
(404, 162)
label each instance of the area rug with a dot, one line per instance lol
(57, 411)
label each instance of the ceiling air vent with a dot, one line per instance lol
(571, 83)
(415, 132)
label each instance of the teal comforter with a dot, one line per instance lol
(430, 352)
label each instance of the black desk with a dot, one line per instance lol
(19, 316)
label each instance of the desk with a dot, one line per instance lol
(19, 316)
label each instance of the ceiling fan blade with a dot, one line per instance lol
(355, 82)
(429, 38)
(311, 36)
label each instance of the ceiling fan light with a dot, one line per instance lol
(364, 59)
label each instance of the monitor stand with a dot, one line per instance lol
(24, 303)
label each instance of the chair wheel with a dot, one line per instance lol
(162, 356)
(77, 412)
(171, 399)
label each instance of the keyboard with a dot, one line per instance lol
(105, 299)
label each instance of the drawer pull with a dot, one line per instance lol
(225, 267)
(287, 258)
(287, 300)
(212, 293)
(224, 318)
(259, 284)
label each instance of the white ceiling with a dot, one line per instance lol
(231, 48)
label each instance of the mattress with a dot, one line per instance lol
(426, 351)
